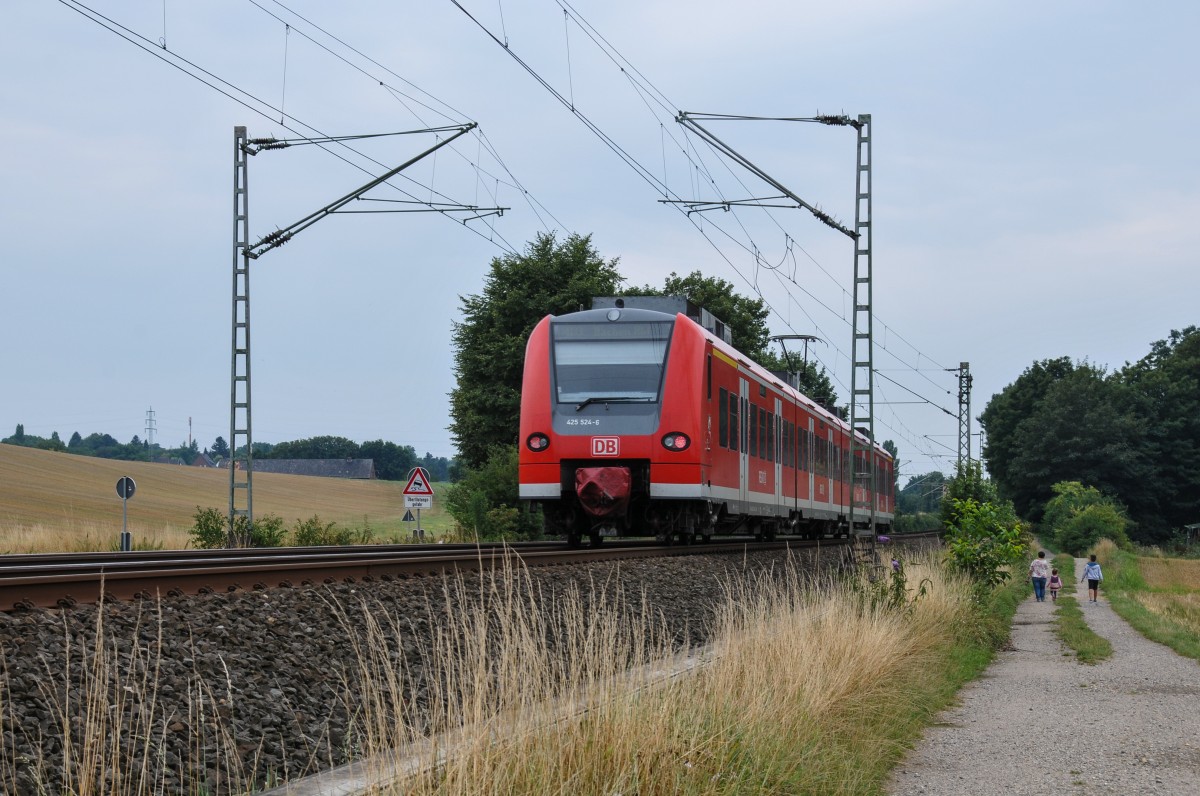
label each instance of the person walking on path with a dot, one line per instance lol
(1093, 575)
(1055, 583)
(1039, 572)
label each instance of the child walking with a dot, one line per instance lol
(1093, 575)
(1055, 583)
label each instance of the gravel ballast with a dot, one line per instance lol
(1038, 722)
(269, 670)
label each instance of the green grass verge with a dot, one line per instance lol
(1069, 625)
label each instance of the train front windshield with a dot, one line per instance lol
(597, 362)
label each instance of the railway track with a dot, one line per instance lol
(67, 579)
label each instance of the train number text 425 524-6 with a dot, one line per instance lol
(583, 421)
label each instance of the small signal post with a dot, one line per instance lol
(418, 494)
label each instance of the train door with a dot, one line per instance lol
(743, 449)
(810, 461)
(830, 465)
(777, 435)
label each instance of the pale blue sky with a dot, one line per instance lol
(1036, 190)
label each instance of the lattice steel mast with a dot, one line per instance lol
(241, 465)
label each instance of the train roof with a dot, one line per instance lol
(635, 313)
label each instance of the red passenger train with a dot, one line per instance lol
(636, 422)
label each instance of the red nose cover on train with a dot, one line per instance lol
(603, 490)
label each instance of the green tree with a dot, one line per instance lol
(74, 441)
(1163, 392)
(326, 447)
(1006, 411)
(549, 278)
(1078, 432)
(1078, 516)
(392, 462)
(220, 448)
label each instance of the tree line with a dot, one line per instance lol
(392, 462)
(1081, 449)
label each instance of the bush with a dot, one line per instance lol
(1079, 516)
(486, 505)
(312, 532)
(981, 541)
(211, 530)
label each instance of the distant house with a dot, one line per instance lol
(203, 460)
(324, 468)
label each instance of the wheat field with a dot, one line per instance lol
(54, 502)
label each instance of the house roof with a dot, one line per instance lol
(326, 468)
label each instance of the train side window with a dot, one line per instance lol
(734, 428)
(723, 417)
(709, 377)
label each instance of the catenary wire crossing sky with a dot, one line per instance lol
(1030, 197)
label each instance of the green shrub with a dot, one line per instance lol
(312, 532)
(267, 531)
(1079, 516)
(211, 530)
(981, 541)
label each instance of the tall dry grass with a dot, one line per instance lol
(809, 687)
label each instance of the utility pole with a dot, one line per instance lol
(241, 464)
(964, 414)
(150, 427)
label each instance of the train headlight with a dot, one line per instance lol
(676, 441)
(537, 442)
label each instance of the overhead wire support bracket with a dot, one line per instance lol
(282, 236)
(241, 436)
(702, 206)
(688, 120)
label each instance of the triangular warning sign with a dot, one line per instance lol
(418, 483)
(408, 517)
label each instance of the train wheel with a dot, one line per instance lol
(596, 539)
(574, 541)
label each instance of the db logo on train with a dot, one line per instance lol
(606, 446)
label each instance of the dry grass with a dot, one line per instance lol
(1179, 609)
(809, 689)
(1172, 574)
(59, 502)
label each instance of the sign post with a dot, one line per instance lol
(125, 489)
(418, 494)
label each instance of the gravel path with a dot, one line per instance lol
(1038, 722)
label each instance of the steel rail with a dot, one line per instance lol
(46, 581)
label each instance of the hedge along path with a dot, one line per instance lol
(1038, 722)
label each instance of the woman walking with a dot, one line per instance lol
(1039, 571)
(1093, 575)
